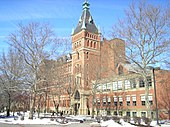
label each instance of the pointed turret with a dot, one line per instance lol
(86, 21)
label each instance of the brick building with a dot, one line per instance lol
(70, 80)
(124, 94)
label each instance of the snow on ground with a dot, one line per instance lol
(44, 121)
(17, 120)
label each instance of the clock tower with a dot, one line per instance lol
(86, 40)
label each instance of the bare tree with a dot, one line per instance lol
(11, 78)
(56, 80)
(146, 34)
(35, 42)
(95, 70)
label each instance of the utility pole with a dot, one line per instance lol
(156, 103)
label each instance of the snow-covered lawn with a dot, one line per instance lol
(45, 121)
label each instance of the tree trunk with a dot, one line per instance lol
(147, 97)
(9, 105)
(55, 105)
(45, 103)
(93, 105)
(32, 105)
(39, 103)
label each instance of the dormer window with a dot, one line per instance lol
(90, 20)
(120, 70)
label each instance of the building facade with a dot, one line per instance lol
(125, 95)
(100, 64)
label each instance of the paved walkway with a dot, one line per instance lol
(31, 125)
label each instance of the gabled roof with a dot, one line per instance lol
(130, 67)
(86, 21)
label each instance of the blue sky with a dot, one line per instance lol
(62, 15)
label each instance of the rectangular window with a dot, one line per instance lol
(128, 114)
(114, 85)
(127, 84)
(98, 87)
(109, 100)
(150, 99)
(98, 101)
(134, 100)
(143, 100)
(104, 101)
(115, 100)
(64, 104)
(133, 84)
(143, 114)
(134, 114)
(128, 100)
(108, 113)
(120, 113)
(119, 85)
(115, 113)
(108, 86)
(141, 83)
(152, 115)
(120, 101)
(104, 87)
(149, 80)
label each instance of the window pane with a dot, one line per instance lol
(141, 83)
(149, 80)
(114, 85)
(104, 87)
(133, 98)
(119, 86)
(150, 98)
(133, 83)
(115, 98)
(120, 99)
(108, 99)
(108, 86)
(143, 98)
(127, 84)
(127, 98)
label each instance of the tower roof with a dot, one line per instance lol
(86, 21)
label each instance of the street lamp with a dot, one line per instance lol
(156, 103)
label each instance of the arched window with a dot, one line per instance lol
(78, 55)
(120, 70)
(87, 55)
(88, 43)
(94, 44)
(75, 45)
(77, 95)
(91, 44)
